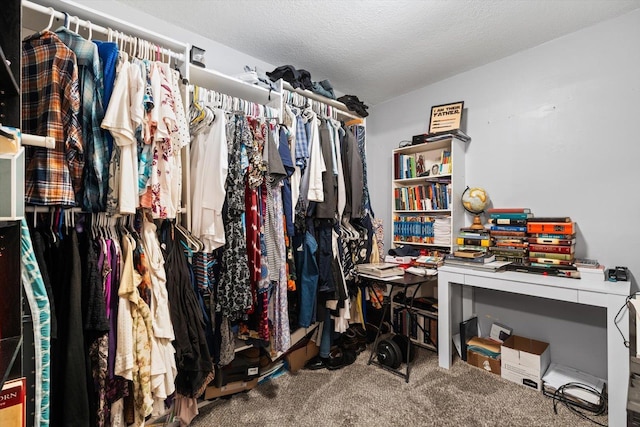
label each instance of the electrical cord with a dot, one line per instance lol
(616, 319)
(563, 396)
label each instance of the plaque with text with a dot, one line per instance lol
(446, 117)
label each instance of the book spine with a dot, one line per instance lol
(509, 210)
(474, 242)
(552, 219)
(549, 261)
(499, 233)
(565, 257)
(511, 215)
(508, 221)
(508, 228)
(551, 227)
(562, 236)
(558, 249)
(548, 241)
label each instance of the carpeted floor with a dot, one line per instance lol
(366, 395)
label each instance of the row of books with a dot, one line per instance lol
(413, 229)
(422, 229)
(427, 163)
(430, 196)
(415, 325)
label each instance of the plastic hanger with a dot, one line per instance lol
(52, 15)
(90, 28)
(77, 24)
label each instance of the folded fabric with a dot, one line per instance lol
(297, 78)
(323, 88)
(484, 346)
(405, 250)
(354, 104)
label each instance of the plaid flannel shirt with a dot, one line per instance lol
(96, 168)
(50, 107)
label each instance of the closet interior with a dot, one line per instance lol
(184, 199)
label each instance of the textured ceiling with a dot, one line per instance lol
(379, 49)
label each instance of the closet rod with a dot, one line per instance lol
(336, 105)
(100, 29)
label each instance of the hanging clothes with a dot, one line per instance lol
(234, 292)
(51, 106)
(36, 294)
(209, 169)
(96, 172)
(193, 360)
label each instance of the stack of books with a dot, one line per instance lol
(508, 231)
(552, 241)
(473, 240)
(380, 269)
(457, 259)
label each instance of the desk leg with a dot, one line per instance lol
(449, 314)
(444, 322)
(617, 361)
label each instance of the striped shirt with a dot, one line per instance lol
(51, 107)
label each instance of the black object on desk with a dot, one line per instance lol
(406, 281)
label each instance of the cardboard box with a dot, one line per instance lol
(525, 360)
(297, 358)
(483, 362)
(212, 392)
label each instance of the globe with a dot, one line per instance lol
(475, 200)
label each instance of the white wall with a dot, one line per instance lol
(553, 128)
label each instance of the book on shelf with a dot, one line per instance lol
(467, 253)
(496, 265)
(511, 215)
(558, 249)
(552, 255)
(508, 210)
(475, 241)
(546, 270)
(547, 241)
(550, 236)
(508, 228)
(551, 227)
(507, 221)
(484, 259)
(550, 261)
(13, 403)
(551, 219)
(506, 233)
(380, 269)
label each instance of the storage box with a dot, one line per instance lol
(12, 186)
(297, 358)
(525, 360)
(483, 362)
(235, 387)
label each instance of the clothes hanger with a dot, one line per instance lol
(51, 16)
(90, 28)
(77, 24)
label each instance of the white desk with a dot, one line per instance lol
(455, 302)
